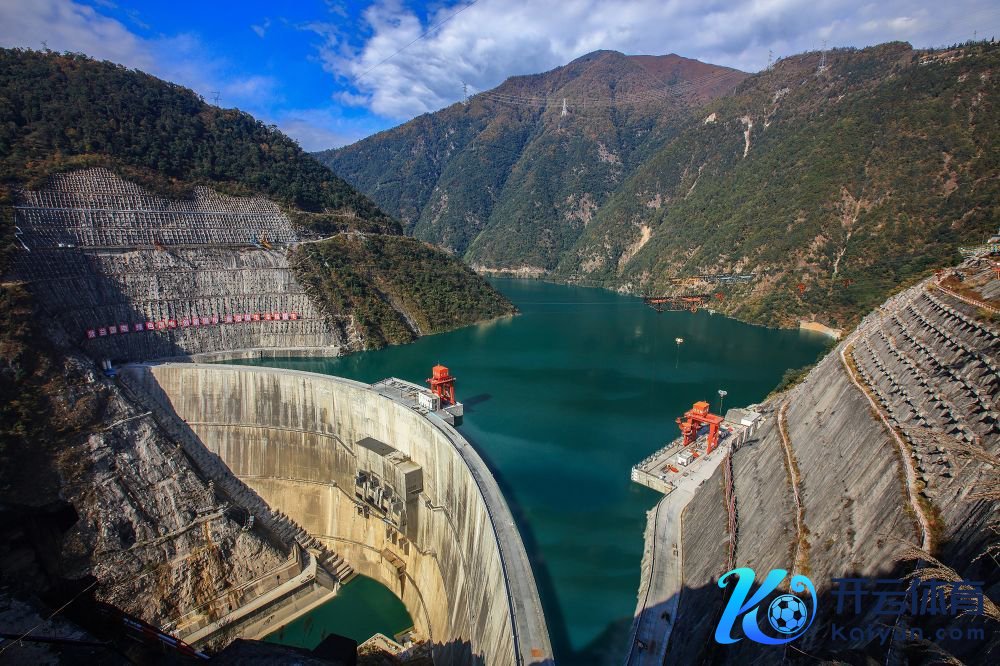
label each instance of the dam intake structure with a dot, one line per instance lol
(392, 487)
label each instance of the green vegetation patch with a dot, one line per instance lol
(396, 288)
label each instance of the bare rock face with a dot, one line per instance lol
(154, 534)
(129, 276)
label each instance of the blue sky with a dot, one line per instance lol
(328, 72)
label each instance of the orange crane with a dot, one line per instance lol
(698, 416)
(442, 384)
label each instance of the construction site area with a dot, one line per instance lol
(888, 449)
(131, 276)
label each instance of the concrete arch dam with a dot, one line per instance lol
(398, 492)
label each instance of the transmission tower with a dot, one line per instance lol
(822, 58)
(770, 58)
(564, 111)
(465, 93)
(216, 96)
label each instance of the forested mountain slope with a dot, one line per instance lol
(511, 179)
(60, 112)
(848, 181)
(832, 185)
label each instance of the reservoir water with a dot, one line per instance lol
(361, 609)
(561, 401)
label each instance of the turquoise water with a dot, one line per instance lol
(561, 401)
(361, 609)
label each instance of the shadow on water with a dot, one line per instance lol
(471, 402)
(555, 621)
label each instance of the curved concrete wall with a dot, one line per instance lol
(456, 560)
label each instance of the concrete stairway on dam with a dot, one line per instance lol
(131, 276)
(275, 525)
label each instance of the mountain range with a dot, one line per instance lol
(833, 178)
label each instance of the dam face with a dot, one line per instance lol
(399, 493)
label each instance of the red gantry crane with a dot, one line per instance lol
(696, 417)
(442, 384)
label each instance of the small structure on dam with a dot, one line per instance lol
(444, 406)
(677, 470)
(372, 476)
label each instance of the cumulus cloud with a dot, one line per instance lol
(66, 26)
(487, 41)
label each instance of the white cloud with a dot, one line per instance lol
(493, 39)
(66, 26)
(261, 29)
(250, 87)
(63, 25)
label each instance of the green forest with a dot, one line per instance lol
(853, 180)
(60, 112)
(395, 287)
